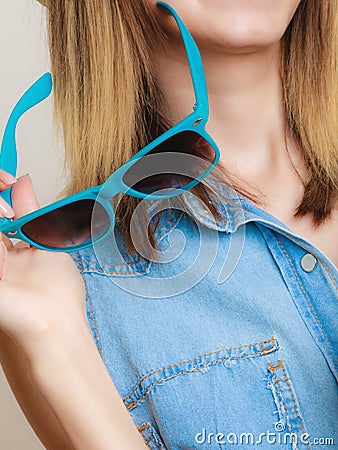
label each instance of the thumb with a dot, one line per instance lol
(24, 200)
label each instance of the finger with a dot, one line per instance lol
(6, 180)
(21, 244)
(5, 209)
(24, 200)
(8, 243)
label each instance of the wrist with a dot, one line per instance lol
(65, 339)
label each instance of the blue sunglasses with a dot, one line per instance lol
(67, 225)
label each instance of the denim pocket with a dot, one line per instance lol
(245, 389)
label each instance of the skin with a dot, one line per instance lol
(240, 52)
(42, 297)
(44, 335)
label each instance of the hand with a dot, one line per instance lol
(37, 288)
(42, 307)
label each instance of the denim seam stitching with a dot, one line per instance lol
(272, 339)
(196, 369)
(142, 428)
(91, 310)
(108, 272)
(330, 276)
(287, 380)
(304, 292)
(153, 438)
(103, 265)
(284, 408)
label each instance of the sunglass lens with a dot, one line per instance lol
(69, 226)
(171, 165)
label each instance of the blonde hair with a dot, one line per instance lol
(309, 77)
(103, 84)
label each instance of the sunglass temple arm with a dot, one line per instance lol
(195, 62)
(34, 95)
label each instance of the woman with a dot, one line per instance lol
(250, 347)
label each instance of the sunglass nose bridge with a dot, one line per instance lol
(107, 193)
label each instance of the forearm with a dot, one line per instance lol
(69, 372)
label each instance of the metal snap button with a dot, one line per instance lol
(308, 262)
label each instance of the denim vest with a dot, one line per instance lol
(229, 341)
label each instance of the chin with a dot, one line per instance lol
(236, 24)
(245, 30)
(243, 40)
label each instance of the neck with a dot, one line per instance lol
(246, 113)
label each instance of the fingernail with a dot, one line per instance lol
(5, 209)
(4, 265)
(23, 176)
(7, 178)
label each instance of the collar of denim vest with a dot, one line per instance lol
(234, 210)
(111, 258)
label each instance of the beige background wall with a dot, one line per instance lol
(24, 58)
